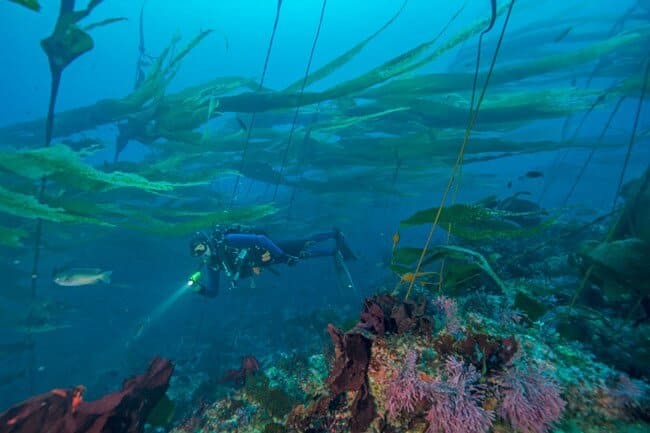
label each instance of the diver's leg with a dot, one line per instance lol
(318, 252)
(343, 247)
(294, 247)
(320, 237)
(303, 248)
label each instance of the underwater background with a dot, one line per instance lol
(533, 191)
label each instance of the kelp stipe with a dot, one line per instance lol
(249, 129)
(617, 221)
(62, 47)
(633, 134)
(461, 152)
(493, 17)
(592, 151)
(559, 158)
(298, 103)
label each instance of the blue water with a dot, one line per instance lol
(112, 331)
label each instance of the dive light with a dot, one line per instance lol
(194, 279)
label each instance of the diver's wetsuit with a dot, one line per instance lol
(241, 255)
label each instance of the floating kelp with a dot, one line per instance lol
(110, 110)
(103, 208)
(556, 63)
(347, 122)
(66, 167)
(159, 75)
(30, 4)
(27, 206)
(344, 58)
(475, 222)
(398, 65)
(67, 42)
(191, 222)
(10, 236)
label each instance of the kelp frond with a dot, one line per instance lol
(27, 206)
(347, 121)
(160, 74)
(192, 222)
(63, 165)
(405, 258)
(104, 23)
(11, 236)
(343, 59)
(29, 4)
(174, 62)
(476, 222)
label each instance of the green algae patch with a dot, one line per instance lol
(275, 401)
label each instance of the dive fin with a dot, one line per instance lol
(343, 273)
(343, 247)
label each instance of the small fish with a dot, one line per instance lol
(241, 123)
(81, 277)
(532, 174)
(563, 34)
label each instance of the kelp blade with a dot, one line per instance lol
(475, 222)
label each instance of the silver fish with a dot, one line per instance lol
(82, 277)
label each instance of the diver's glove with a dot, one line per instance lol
(292, 260)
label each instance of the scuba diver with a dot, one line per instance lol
(241, 252)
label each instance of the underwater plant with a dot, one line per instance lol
(531, 403)
(456, 402)
(406, 390)
(29, 4)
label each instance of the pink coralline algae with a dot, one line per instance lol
(531, 403)
(455, 403)
(449, 308)
(406, 390)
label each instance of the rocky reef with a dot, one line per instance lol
(432, 365)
